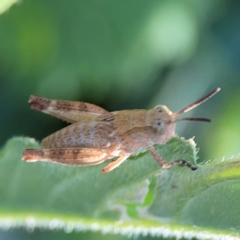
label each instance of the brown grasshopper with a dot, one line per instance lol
(97, 135)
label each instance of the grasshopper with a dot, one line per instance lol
(96, 135)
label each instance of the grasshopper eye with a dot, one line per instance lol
(159, 126)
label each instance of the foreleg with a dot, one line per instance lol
(165, 164)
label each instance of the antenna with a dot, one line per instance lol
(193, 119)
(195, 104)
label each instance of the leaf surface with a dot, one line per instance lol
(137, 198)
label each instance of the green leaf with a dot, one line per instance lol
(6, 4)
(137, 198)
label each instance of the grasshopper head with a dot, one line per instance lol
(162, 124)
(162, 120)
(159, 118)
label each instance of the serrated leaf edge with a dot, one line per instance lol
(130, 229)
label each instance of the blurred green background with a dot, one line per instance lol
(123, 55)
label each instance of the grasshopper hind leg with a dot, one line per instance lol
(74, 156)
(68, 156)
(70, 111)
